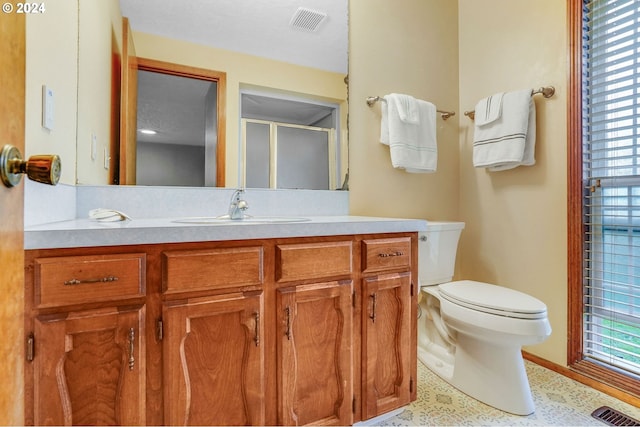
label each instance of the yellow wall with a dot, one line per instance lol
(101, 34)
(245, 71)
(79, 73)
(405, 47)
(453, 54)
(516, 220)
(51, 58)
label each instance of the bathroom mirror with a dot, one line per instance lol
(243, 38)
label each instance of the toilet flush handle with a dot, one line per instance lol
(44, 168)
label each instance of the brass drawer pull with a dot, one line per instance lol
(396, 253)
(132, 338)
(287, 312)
(30, 352)
(257, 337)
(374, 302)
(101, 280)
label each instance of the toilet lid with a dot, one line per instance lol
(493, 299)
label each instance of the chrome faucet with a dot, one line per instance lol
(237, 205)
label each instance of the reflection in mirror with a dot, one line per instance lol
(172, 123)
(178, 137)
(251, 42)
(289, 143)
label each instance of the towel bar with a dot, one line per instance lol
(546, 91)
(373, 99)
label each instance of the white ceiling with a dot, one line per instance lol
(173, 106)
(256, 27)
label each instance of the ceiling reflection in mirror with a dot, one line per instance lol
(259, 46)
(254, 27)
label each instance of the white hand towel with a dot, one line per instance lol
(489, 109)
(509, 141)
(413, 147)
(407, 107)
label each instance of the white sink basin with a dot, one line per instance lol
(247, 220)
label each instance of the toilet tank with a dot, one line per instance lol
(437, 249)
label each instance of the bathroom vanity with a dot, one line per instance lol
(157, 322)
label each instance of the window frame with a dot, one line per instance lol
(575, 360)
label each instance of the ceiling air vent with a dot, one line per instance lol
(307, 19)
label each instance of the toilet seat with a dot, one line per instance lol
(493, 299)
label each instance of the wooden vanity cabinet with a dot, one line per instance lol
(257, 332)
(213, 346)
(213, 354)
(388, 325)
(314, 333)
(86, 340)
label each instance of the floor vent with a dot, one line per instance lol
(613, 418)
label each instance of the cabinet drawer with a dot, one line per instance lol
(386, 254)
(85, 279)
(313, 260)
(212, 269)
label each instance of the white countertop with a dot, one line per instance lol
(87, 232)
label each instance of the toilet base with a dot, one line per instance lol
(438, 361)
(492, 374)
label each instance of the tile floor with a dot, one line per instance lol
(560, 401)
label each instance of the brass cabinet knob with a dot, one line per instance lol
(44, 168)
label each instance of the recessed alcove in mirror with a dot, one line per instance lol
(178, 126)
(250, 42)
(290, 143)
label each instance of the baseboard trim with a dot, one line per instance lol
(595, 384)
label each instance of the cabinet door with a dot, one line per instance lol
(386, 346)
(314, 354)
(89, 368)
(213, 354)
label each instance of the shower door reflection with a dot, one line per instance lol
(281, 155)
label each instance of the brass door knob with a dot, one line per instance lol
(44, 168)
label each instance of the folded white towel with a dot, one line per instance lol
(407, 107)
(489, 109)
(509, 141)
(413, 146)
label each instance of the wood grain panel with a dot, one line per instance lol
(84, 279)
(214, 361)
(127, 145)
(387, 343)
(12, 88)
(87, 372)
(315, 373)
(212, 269)
(307, 261)
(386, 254)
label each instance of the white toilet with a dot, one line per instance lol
(471, 333)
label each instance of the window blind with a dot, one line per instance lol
(611, 171)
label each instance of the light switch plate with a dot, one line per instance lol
(106, 158)
(47, 107)
(94, 146)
